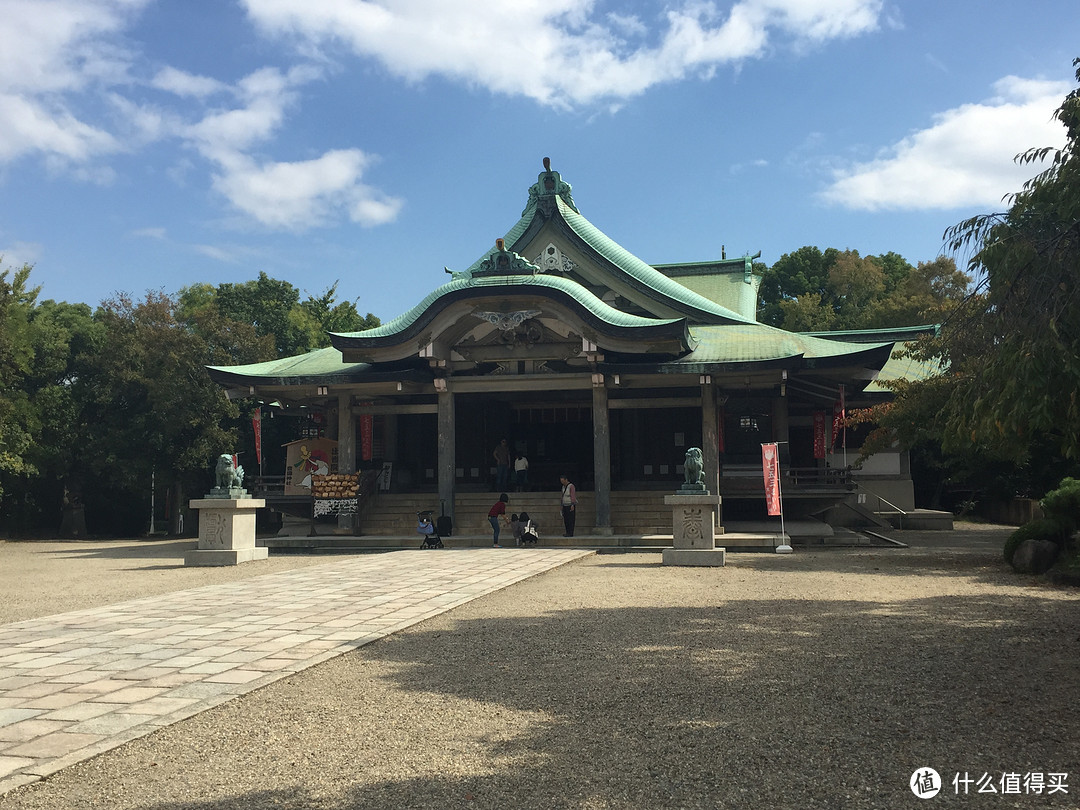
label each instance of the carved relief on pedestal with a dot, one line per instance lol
(691, 520)
(215, 527)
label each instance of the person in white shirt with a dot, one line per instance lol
(569, 505)
(521, 472)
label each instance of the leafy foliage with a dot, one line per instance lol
(813, 290)
(16, 354)
(1003, 411)
(269, 314)
(99, 401)
(1063, 504)
(1013, 351)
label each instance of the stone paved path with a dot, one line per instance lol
(77, 684)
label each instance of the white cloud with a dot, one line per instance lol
(306, 193)
(52, 48)
(18, 254)
(52, 45)
(266, 94)
(72, 91)
(217, 253)
(29, 126)
(156, 233)
(558, 52)
(182, 83)
(281, 194)
(964, 159)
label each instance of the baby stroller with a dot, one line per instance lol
(425, 527)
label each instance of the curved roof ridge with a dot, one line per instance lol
(599, 308)
(640, 270)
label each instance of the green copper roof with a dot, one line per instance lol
(904, 368)
(758, 342)
(697, 307)
(482, 284)
(702, 308)
(889, 333)
(322, 363)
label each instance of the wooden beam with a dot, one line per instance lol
(654, 402)
(395, 409)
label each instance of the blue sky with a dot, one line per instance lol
(153, 144)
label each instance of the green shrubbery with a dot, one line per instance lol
(1062, 519)
(1063, 504)
(1040, 529)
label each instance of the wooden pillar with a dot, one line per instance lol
(710, 440)
(601, 455)
(346, 438)
(710, 436)
(447, 450)
(781, 428)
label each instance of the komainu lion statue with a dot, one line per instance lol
(226, 476)
(694, 466)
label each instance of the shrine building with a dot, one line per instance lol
(596, 365)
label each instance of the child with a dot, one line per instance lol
(515, 527)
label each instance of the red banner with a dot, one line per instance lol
(819, 434)
(367, 425)
(256, 424)
(770, 465)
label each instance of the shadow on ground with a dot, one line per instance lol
(681, 693)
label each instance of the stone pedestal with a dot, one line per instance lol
(226, 532)
(693, 518)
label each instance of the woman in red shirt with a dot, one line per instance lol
(497, 513)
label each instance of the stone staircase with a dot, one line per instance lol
(640, 520)
(632, 513)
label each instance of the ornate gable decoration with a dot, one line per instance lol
(503, 262)
(506, 321)
(552, 260)
(517, 334)
(548, 186)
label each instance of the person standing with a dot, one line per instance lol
(521, 472)
(496, 514)
(569, 505)
(501, 454)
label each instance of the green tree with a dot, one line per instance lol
(266, 304)
(807, 313)
(1002, 412)
(853, 284)
(895, 267)
(16, 352)
(336, 316)
(927, 294)
(1023, 378)
(282, 324)
(148, 408)
(856, 292)
(44, 344)
(794, 274)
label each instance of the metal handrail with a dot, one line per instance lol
(901, 512)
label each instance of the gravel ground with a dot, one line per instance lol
(821, 679)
